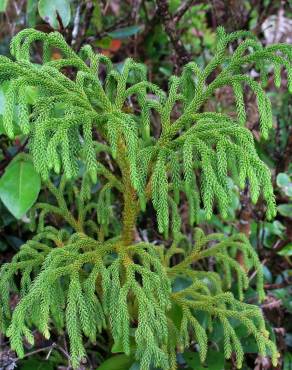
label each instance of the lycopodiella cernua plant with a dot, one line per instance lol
(83, 277)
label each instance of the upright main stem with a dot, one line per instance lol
(129, 216)
(131, 208)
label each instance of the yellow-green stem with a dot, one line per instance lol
(131, 207)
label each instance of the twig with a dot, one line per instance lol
(182, 55)
(271, 305)
(284, 284)
(135, 9)
(49, 348)
(182, 9)
(255, 272)
(65, 353)
(76, 25)
(264, 12)
(106, 7)
(230, 13)
(49, 353)
(124, 22)
(87, 9)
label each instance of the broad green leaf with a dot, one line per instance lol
(14, 241)
(31, 11)
(6, 217)
(49, 9)
(285, 210)
(119, 362)
(3, 246)
(166, 71)
(288, 340)
(103, 43)
(214, 361)
(36, 364)
(193, 360)
(117, 348)
(270, 231)
(176, 315)
(19, 187)
(267, 274)
(285, 183)
(287, 361)
(286, 251)
(97, 16)
(277, 228)
(123, 33)
(3, 5)
(249, 345)
(216, 335)
(285, 296)
(283, 179)
(181, 283)
(135, 366)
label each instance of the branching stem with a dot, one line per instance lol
(131, 208)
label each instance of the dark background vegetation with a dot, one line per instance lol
(165, 35)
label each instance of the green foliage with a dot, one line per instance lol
(216, 146)
(84, 278)
(61, 273)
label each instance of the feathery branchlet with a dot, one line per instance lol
(90, 275)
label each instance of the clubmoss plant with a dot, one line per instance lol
(81, 278)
